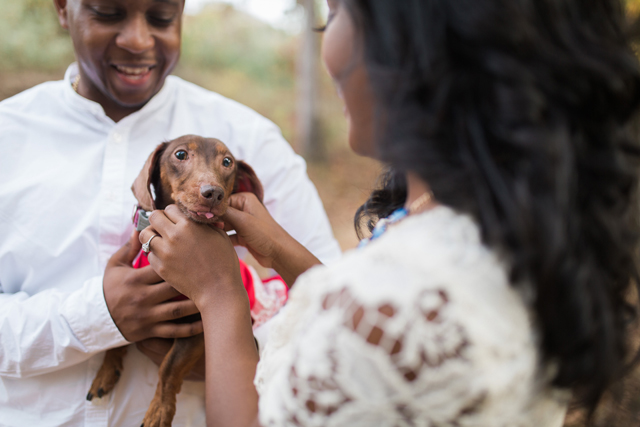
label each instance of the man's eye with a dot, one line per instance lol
(226, 162)
(181, 155)
(107, 13)
(161, 20)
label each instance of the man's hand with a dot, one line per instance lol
(138, 299)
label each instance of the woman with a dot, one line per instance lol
(499, 290)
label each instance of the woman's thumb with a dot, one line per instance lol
(232, 218)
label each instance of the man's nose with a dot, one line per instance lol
(136, 36)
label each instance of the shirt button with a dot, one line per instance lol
(117, 138)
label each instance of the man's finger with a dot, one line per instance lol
(147, 275)
(127, 253)
(173, 330)
(162, 292)
(134, 246)
(175, 310)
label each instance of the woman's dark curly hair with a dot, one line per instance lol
(517, 112)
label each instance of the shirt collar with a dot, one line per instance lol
(84, 105)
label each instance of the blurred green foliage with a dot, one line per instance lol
(222, 50)
(244, 59)
(221, 38)
(30, 36)
(218, 38)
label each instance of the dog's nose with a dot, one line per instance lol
(213, 194)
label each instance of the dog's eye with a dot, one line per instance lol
(226, 162)
(181, 155)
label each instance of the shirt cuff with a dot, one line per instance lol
(88, 317)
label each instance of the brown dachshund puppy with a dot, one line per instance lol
(198, 175)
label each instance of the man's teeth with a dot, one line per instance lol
(134, 71)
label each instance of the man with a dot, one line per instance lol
(71, 150)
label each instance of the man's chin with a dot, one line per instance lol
(128, 99)
(128, 102)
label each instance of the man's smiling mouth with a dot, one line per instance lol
(137, 72)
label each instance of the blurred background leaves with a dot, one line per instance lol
(31, 38)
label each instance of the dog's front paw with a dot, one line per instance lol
(160, 413)
(109, 373)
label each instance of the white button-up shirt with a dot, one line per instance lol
(66, 171)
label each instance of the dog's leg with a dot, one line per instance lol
(109, 373)
(183, 355)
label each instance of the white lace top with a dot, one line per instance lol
(419, 328)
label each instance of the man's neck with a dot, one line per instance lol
(114, 111)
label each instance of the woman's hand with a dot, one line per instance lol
(197, 260)
(200, 262)
(265, 239)
(256, 229)
(139, 301)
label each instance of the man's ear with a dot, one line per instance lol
(142, 185)
(62, 9)
(247, 180)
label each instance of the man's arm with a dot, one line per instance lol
(53, 329)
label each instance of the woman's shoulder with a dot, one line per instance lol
(427, 310)
(437, 251)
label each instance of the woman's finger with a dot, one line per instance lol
(232, 218)
(146, 234)
(240, 200)
(174, 214)
(160, 221)
(234, 240)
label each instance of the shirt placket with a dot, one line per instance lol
(110, 229)
(112, 197)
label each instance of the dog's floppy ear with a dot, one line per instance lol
(247, 180)
(142, 185)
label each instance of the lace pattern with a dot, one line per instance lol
(420, 328)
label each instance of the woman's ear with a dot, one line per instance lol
(142, 185)
(247, 181)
